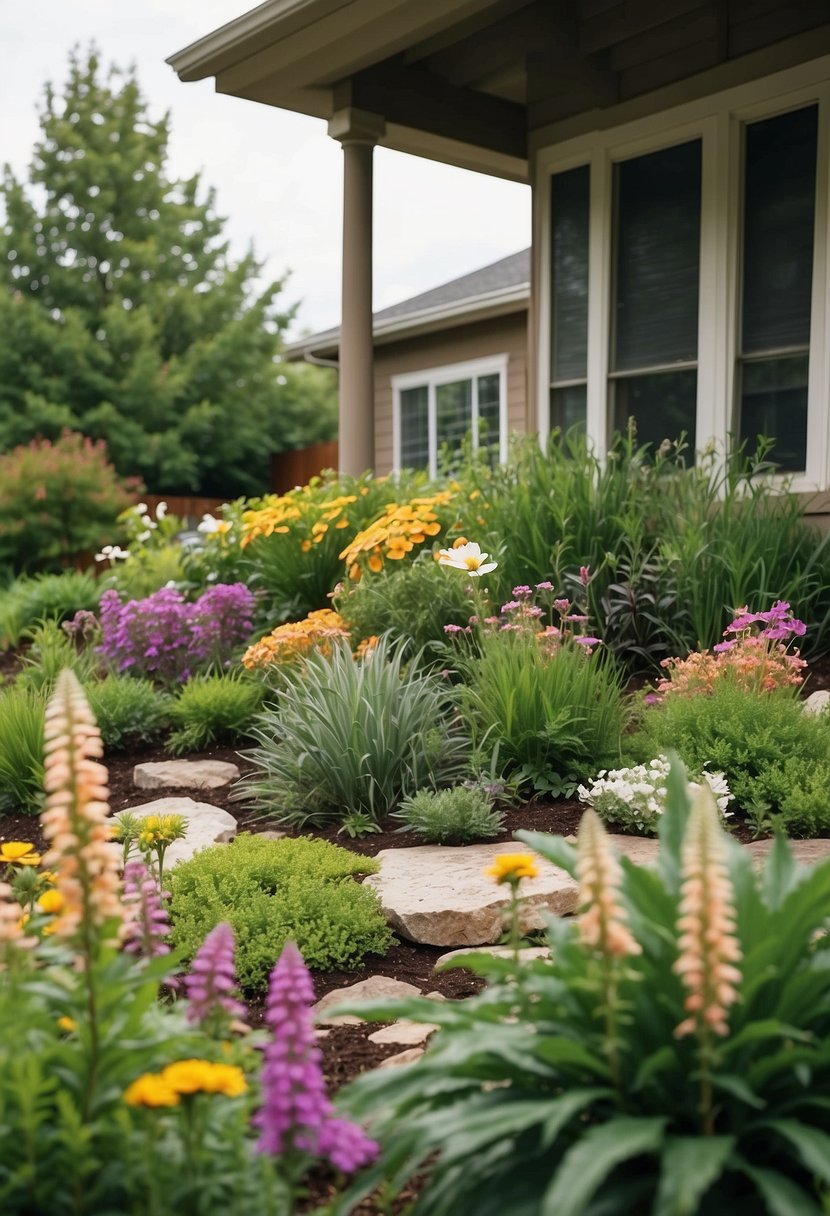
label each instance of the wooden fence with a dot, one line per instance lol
(289, 469)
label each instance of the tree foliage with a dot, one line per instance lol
(123, 314)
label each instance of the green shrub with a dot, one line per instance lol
(213, 709)
(271, 891)
(455, 816)
(50, 650)
(146, 570)
(44, 597)
(353, 737)
(128, 710)
(554, 720)
(588, 1084)
(58, 499)
(21, 750)
(412, 601)
(776, 758)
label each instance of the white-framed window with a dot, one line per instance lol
(685, 274)
(436, 408)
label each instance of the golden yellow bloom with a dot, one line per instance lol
(51, 902)
(19, 853)
(151, 1089)
(512, 867)
(318, 631)
(67, 1025)
(205, 1077)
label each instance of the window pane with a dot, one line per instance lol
(489, 413)
(569, 407)
(774, 403)
(779, 218)
(569, 226)
(454, 413)
(657, 257)
(415, 427)
(662, 405)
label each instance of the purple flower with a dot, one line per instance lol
(146, 925)
(651, 698)
(545, 586)
(510, 606)
(296, 1112)
(522, 592)
(721, 647)
(562, 606)
(588, 641)
(533, 610)
(211, 983)
(453, 629)
(584, 575)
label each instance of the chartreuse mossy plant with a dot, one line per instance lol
(272, 891)
(671, 1057)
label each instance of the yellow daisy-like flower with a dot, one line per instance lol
(151, 1089)
(51, 902)
(19, 853)
(202, 1076)
(512, 867)
(67, 1025)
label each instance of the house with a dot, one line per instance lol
(447, 362)
(679, 155)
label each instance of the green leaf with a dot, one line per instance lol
(690, 1165)
(738, 1089)
(553, 848)
(781, 1196)
(812, 1145)
(780, 872)
(672, 827)
(587, 1165)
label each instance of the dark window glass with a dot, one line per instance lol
(454, 413)
(663, 406)
(489, 413)
(569, 226)
(657, 258)
(414, 427)
(568, 407)
(774, 404)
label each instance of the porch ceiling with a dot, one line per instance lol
(466, 80)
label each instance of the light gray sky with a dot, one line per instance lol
(277, 174)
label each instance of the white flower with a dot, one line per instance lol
(161, 510)
(209, 524)
(144, 535)
(468, 558)
(112, 553)
(140, 508)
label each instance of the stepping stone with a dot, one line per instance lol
(375, 988)
(817, 701)
(527, 953)
(440, 896)
(403, 1057)
(807, 852)
(206, 824)
(185, 775)
(404, 1033)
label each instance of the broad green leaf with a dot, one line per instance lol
(587, 1165)
(672, 827)
(690, 1165)
(812, 1145)
(553, 848)
(781, 1196)
(738, 1088)
(779, 872)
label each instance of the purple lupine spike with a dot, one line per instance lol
(296, 1111)
(212, 982)
(147, 927)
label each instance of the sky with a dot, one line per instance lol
(277, 175)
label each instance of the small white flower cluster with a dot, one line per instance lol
(635, 798)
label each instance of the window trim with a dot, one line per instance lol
(431, 378)
(717, 119)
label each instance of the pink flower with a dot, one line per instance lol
(603, 923)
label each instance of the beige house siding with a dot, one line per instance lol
(462, 343)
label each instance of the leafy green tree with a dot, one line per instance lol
(123, 314)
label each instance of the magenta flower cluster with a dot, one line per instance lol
(167, 638)
(296, 1113)
(776, 625)
(146, 924)
(211, 984)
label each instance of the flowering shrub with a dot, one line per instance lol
(635, 798)
(397, 532)
(670, 1055)
(754, 656)
(296, 639)
(57, 500)
(112, 1100)
(168, 639)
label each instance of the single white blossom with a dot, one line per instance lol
(161, 510)
(112, 553)
(468, 558)
(209, 524)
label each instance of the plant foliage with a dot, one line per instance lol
(213, 709)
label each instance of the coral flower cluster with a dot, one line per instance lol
(708, 945)
(294, 640)
(602, 924)
(396, 533)
(75, 820)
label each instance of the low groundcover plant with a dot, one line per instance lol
(635, 797)
(672, 1057)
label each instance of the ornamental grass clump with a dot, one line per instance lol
(669, 1057)
(459, 815)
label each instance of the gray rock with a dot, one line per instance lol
(526, 954)
(185, 775)
(404, 1033)
(817, 701)
(403, 1057)
(376, 987)
(205, 824)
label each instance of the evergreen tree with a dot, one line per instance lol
(123, 315)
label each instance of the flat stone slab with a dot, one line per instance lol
(375, 988)
(527, 954)
(185, 775)
(404, 1033)
(817, 701)
(441, 896)
(205, 824)
(807, 852)
(411, 1056)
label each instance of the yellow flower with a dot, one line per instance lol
(151, 1089)
(19, 853)
(512, 867)
(51, 902)
(67, 1025)
(376, 563)
(202, 1076)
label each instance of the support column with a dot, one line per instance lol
(358, 131)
